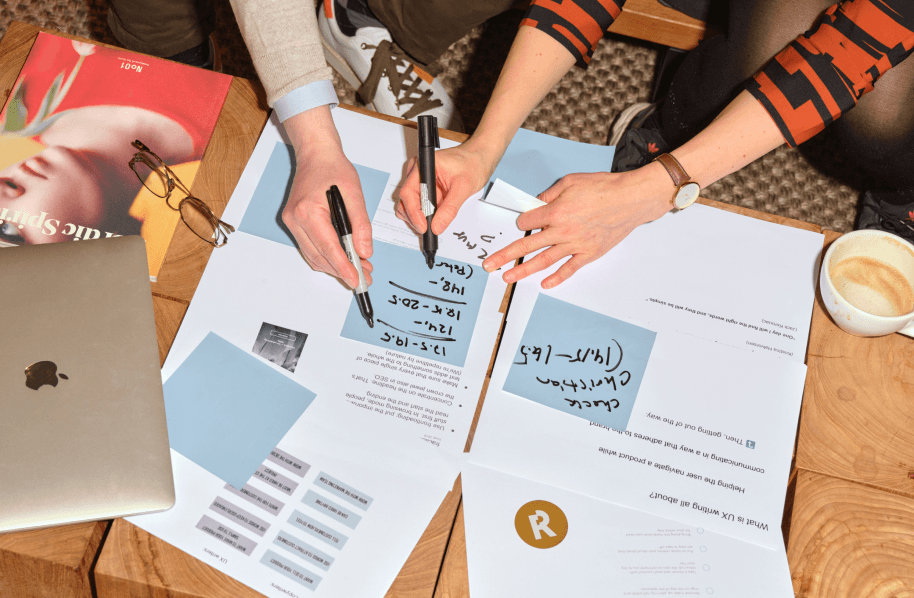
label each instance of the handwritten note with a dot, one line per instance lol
(580, 362)
(422, 312)
(226, 410)
(263, 217)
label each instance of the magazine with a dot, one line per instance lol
(66, 136)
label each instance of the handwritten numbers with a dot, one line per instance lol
(426, 313)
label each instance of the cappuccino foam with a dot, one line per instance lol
(873, 286)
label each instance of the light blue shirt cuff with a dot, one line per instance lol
(304, 98)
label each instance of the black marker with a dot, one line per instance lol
(428, 191)
(340, 220)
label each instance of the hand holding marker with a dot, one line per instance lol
(340, 220)
(428, 190)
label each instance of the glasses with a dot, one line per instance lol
(162, 181)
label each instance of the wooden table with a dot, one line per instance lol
(850, 509)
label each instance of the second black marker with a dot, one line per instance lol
(428, 190)
(339, 218)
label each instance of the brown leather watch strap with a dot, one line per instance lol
(674, 168)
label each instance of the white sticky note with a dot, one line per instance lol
(511, 198)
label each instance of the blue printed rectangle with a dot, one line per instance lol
(226, 409)
(422, 312)
(315, 528)
(263, 217)
(344, 491)
(534, 161)
(291, 569)
(332, 510)
(303, 550)
(580, 362)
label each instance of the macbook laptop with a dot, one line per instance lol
(82, 417)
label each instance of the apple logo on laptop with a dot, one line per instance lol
(40, 373)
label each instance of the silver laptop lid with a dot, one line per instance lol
(82, 417)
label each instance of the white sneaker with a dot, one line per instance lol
(385, 78)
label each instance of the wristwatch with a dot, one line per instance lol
(686, 189)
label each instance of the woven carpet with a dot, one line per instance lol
(816, 185)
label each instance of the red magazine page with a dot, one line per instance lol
(66, 136)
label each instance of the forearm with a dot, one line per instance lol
(534, 65)
(284, 43)
(313, 132)
(742, 133)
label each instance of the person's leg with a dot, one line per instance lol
(163, 28)
(711, 74)
(426, 28)
(878, 134)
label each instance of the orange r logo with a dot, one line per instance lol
(541, 524)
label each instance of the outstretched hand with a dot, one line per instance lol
(586, 216)
(459, 173)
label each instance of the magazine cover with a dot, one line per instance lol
(65, 143)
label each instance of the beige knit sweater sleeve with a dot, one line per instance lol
(284, 43)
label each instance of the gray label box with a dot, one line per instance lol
(256, 497)
(317, 529)
(287, 461)
(303, 550)
(227, 535)
(343, 491)
(331, 509)
(291, 569)
(276, 479)
(250, 522)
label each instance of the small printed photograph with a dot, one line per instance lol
(279, 345)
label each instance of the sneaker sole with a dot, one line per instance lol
(339, 64)
(623, 120)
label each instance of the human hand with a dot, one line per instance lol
(320, 163)
(586, 216)
(460, 172)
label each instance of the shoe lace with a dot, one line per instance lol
(404, 85)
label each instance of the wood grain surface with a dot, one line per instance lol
(50, 562)
(136, 564)
(168, 316)
(453, 581)
(850, 541)
(14, 48)
(651, 21)
(858, 410)
(417, 578)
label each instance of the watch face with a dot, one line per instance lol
(686, 195)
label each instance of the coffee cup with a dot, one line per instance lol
(867, 283)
